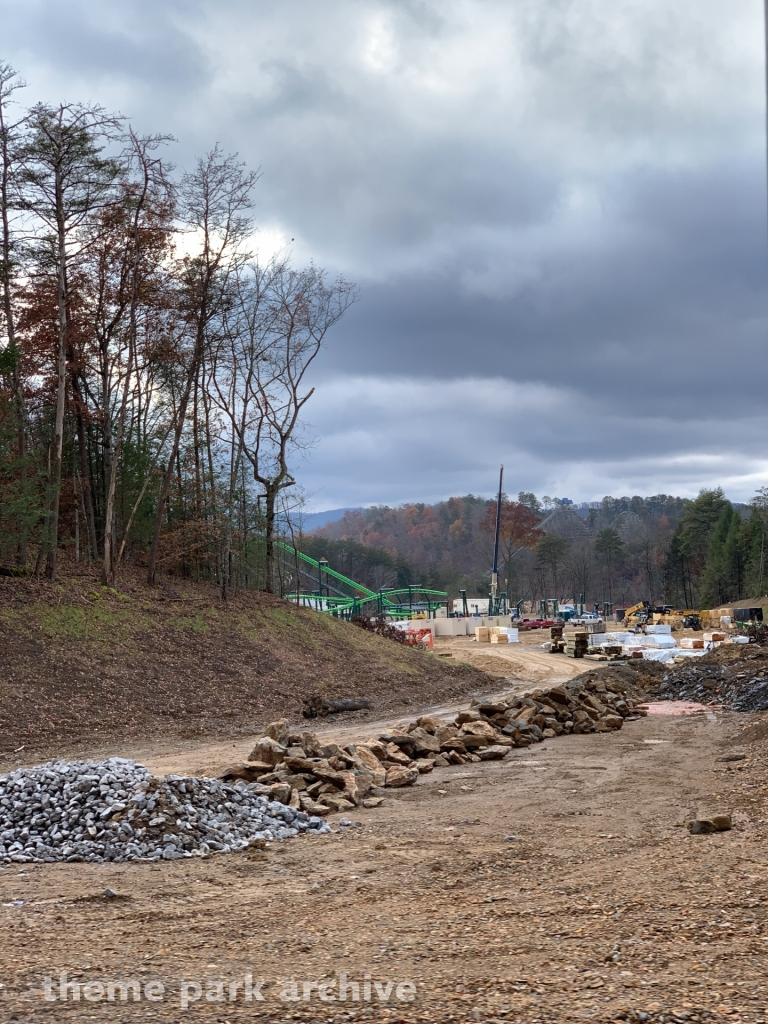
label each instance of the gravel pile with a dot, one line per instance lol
(738, 686)
(115, 810)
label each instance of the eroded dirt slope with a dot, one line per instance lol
(80, 664)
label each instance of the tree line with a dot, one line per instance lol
(153, 370)
(664, 549)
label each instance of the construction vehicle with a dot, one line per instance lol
(637, 616)
(421, 639)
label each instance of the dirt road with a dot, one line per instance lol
(525, 661)
(557, 885)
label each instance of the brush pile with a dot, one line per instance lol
(298, 769)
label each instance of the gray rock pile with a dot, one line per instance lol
(739, 685)
(115, 810)
(297, 769)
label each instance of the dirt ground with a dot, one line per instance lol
(525, 661)
(557, 885)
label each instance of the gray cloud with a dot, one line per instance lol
(555, 210)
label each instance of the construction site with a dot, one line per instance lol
(313, 821)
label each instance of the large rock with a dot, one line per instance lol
(351, 789)
(430, 723)
(395, 754)
(400, 776)
(338, 803)
(456, 744)
(424, 743)
(311, 744)
(484, 729)
(372, 763)
(279, 731)
(494, 753)
(268, 751)
(706, 826)
(613, 721)
(280, 791)
(378, 748)
(446, 732)
(311, 806)
(424, 765)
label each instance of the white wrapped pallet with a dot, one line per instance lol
(659, 627)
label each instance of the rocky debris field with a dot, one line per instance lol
(738, 683)
(115, 810)
(297, 769)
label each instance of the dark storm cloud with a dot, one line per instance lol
(555, 210)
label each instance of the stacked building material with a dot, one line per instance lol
(576, 643)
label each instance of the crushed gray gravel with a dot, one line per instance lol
(116, 810)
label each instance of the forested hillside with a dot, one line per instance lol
(703, 552)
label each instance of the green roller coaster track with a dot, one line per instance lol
(331, 591)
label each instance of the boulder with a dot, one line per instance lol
(311, 806)
(493, 753)
(424, 765)
(424, 742)
(279, 731)
(706, 826)
(268, 751)
(395, 754)
(430, 723)
(445, 733)
(281, 792)
(373, 801)
(338, 803)
(613, 721)
(378, 748)
(372, 763)
(311, 744)
(351, 789)
(400, 776)
(467, 716)
(484, 729)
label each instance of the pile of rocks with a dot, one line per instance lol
(115, 810)
(740, 685)
(298, 769)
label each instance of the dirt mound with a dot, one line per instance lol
(80, 663)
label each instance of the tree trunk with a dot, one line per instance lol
(168, 476)
(270, 498)
(85, 474)
(52, 531)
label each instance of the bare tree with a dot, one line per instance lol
(214, 199)
(63, 179)
(301, 308)
(148, 201)
(9, 258)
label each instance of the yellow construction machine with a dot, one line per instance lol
(637, 615)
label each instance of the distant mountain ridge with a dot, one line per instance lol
(314, 520)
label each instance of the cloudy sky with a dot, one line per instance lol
(555, 211)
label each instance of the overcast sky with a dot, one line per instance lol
(555, 211)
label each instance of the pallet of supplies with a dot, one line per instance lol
(576, 643)
(714, 637)
(483, 634)
(691, 643)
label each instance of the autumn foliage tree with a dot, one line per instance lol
(121, 288)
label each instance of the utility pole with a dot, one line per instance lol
(492, 610)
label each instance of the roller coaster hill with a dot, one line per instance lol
(325, 590)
